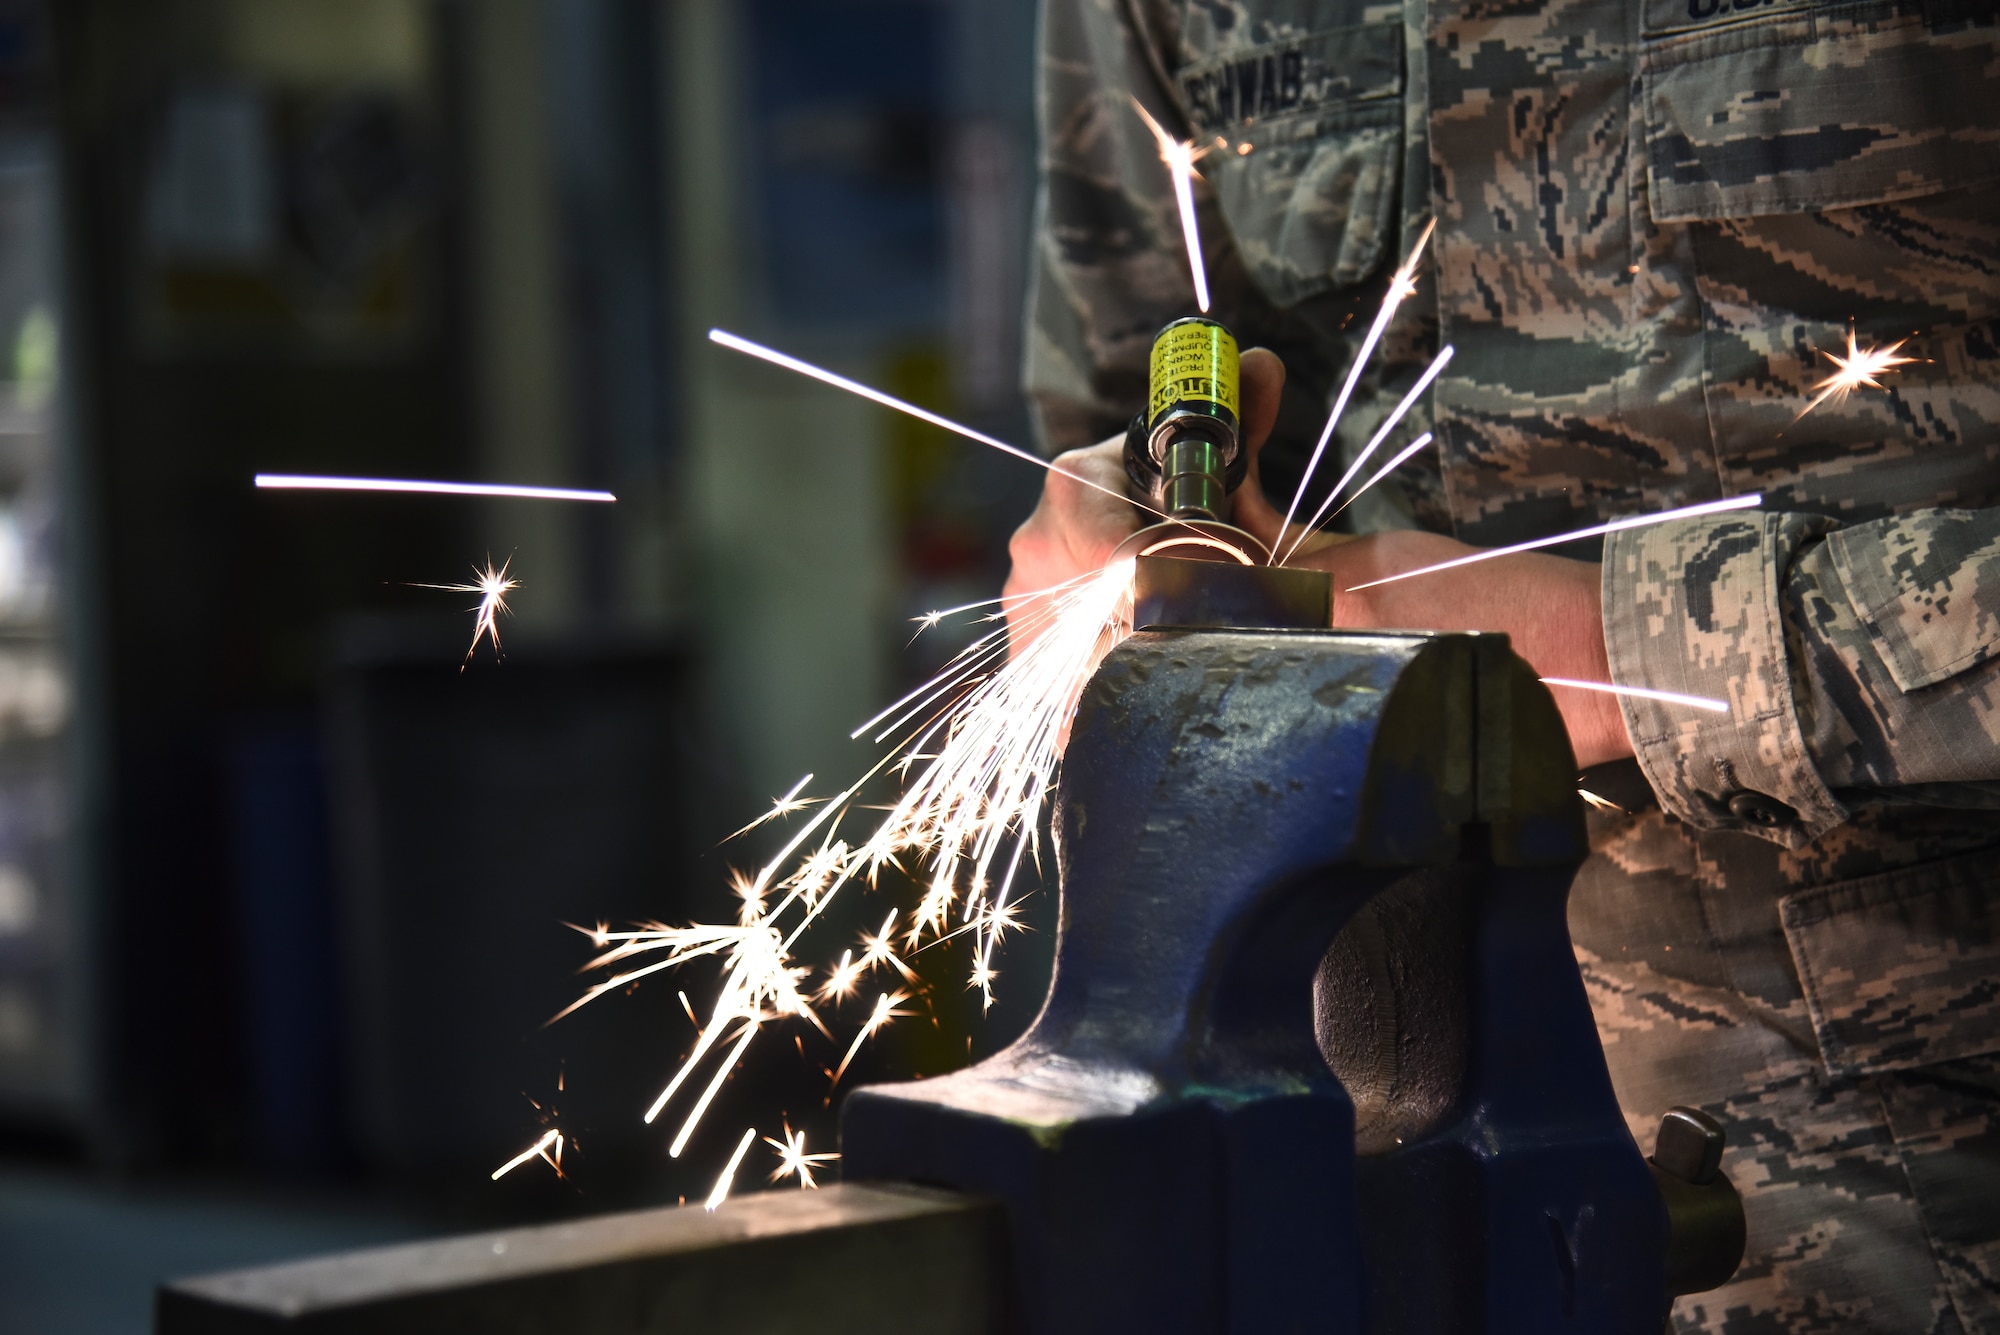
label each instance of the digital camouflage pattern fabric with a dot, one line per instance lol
(1651, 217)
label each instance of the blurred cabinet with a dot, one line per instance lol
(477, 813)
(44, 951)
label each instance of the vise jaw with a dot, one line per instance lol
(1316, 1055)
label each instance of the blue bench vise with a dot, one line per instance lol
(1316, 1055)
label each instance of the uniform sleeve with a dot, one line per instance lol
(1859, 664)
(1108, 265)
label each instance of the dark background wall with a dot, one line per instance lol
(306, 905)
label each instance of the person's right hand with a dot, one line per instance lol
(1076, 527)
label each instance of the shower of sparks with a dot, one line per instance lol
(722, 1183)
(493, 587)
(1749, 502)
(793, 1161)
(548, 1149)
(776, 358)
(1643, 693)
(1180, 157)
(1402, 286)
(976, 748)
(1858, 368)
(1382, 432)
(304, 482)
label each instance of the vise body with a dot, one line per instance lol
(1316, 1055)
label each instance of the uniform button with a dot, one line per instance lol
(1761, 809)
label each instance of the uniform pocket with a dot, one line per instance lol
(1304, 141)
(1833, 170)
(1816, 107)
(1926, 591)
(1901, 970)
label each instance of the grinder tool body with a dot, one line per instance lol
(1185, 458)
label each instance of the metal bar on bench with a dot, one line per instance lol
(844, 1260)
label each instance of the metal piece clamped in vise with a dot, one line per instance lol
(1169, 592)
(1317, 1054)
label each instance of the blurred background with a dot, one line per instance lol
(283, 879)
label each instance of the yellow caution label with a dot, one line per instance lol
(1193, 361)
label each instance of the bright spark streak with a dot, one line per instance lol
(793, 1161)
(1858, 368)
(1643, 693)
(723, 1183)
(932, 618)
(708, 1095)
(746, 889)
(1384, 471)
(492, 588)
(776, 358)
(551, 1140)
(987, 648)
(886, 1009)
(1389, 424)
(1402, 286)
(1751, 501)
(966, 670)
(305, 482)
(783, 806)
(1180, 157)
(879, 948)
(840, 982)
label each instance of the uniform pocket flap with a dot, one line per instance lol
(1926, 588)
(1818, 109)
(1304, 148)
(1901, 969)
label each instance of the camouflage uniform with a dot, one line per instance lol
(1651, 214)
